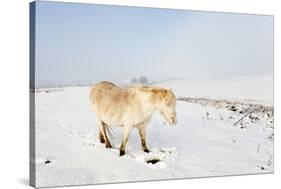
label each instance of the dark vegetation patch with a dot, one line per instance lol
(239, 107)
(249, 112)
(153, 161)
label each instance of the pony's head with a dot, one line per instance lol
(166, 104)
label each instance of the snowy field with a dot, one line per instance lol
(246, 89)
(209, 139)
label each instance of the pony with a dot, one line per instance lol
(130, 108)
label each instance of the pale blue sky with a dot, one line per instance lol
(78, 43)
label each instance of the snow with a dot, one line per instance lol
(203, 143)
(251, 88)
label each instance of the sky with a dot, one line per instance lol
(86, 43)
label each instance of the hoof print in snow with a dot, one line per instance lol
(153, 161)
(261, 167)
(47, 161)
(89, 144)
(166, 151)
(233, 108)
(271, 137)
(207, 115)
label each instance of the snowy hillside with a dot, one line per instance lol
(207, 141)
(253, 88)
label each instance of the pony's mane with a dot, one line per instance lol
(152, 89)
(158, 94)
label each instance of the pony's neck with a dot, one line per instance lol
(149, 107)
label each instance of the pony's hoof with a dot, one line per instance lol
(122, 152)
(146, 150)
(102, 141)
(108, 146)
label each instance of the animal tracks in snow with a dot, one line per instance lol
(156, 158)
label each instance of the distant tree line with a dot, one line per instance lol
(142, 80)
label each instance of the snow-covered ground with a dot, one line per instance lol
(207, 141)
(247, 89)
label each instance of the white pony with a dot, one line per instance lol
(129, 108)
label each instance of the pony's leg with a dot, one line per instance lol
(142, 133)
(126, 134)
(107, 143)
(103, 136)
